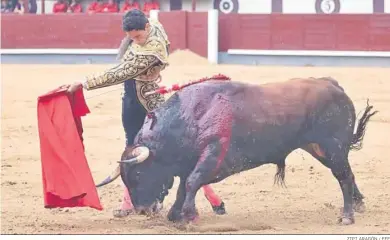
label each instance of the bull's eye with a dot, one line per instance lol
(135, 178)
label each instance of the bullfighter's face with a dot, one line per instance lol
(147, 180)
(139, 36)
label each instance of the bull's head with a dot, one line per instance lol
(148, 180)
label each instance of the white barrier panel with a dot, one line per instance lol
(154, 14)
(309, 53)
(212, 37)
(387, 6)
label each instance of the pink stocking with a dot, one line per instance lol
(126, 201)
(213, 198)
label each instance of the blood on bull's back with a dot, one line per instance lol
(244, 121)
(255, 123)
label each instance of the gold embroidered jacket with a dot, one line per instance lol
(140, 63)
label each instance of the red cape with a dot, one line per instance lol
(67, 179)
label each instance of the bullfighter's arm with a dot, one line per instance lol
(133, 68)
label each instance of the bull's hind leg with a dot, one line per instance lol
(358, 203)
(315, 150)
(343, 173)
(334, 154)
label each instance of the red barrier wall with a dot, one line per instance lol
(61, 31)
(369, 32)
(189, 30)
(185, 30)
(197, 33)
(175, 25)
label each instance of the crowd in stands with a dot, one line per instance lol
(18, 6)
(75, 6)
(100, 6)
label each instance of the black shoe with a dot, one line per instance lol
(219, 210)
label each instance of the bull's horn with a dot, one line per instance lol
(140, 153)
(114, 175)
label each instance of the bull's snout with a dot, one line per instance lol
(149, 210)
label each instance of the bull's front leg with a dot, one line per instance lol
(211, 158)
(174, 213)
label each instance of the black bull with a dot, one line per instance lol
(211, 130)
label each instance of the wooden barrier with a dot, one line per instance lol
(365, 32)
(186, 30)
(339, 32)
(61, 31)
(175, 26)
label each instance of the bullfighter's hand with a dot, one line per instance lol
(74, 87)
(65, 86)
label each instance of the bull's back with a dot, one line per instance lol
(257, 117)
(277, 103)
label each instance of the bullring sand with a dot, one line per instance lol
(309, 204)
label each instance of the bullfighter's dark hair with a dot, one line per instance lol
(134, 20)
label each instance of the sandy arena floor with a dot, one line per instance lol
(310, 204)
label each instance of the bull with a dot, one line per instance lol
(211, 130)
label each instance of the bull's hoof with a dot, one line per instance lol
(158, 207)
(193, 220)
(119, 213)
(220, 210)
(174, 215)
(346, 220)
(190, 215)
(359, 207)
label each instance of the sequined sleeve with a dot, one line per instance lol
(131, 68)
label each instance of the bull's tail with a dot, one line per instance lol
(177, 87)
(357, 140)
(280, 175)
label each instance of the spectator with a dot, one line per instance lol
(32, 6)
(60, 6)
(130, 4)
(23, 6)
(96, 6)
(150, 5)
(75, 7)
(111, 6)
(6, 6)
(19, 7)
